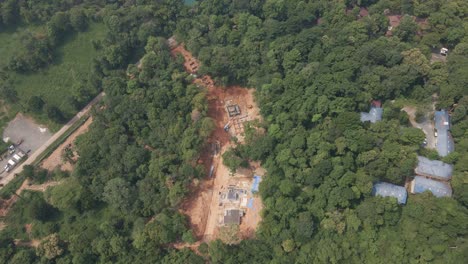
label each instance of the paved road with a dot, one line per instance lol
(5, 180)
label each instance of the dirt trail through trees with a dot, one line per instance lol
(202, 205)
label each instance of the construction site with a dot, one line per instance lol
(222, 198)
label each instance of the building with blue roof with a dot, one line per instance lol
(390, 190)
(444, 144)
(434, 169)
(375, 113)
(438, 189)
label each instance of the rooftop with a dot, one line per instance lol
(233, 110)
(438, 189)
(390, 190)
(434, 168)
(374, 115)
(233, 194)
(232, 216)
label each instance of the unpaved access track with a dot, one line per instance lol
(202, 205)
(427, 126)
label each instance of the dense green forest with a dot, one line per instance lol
(315, 65)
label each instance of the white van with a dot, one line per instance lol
(17, 157)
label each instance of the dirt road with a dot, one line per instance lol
(427, 126)
(5, 180)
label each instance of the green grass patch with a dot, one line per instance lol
(73, 60)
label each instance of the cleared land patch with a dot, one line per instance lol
(55, 160)
(207, 206)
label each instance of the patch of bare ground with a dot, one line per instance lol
(427, 126)
(56, 160)
(31, 243)
(202, 206)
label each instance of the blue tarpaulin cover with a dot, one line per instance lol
(256, 182)
(250, 204)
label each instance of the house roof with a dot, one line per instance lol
(438, 189)
(374, 115)
(390, 190)
(376, 103)
(434, 168)
(232, 216)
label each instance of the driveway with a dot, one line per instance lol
(427, 126)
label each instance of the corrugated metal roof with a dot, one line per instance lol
(374, 115)
(438, 189)
(434, 168)
(390, 190)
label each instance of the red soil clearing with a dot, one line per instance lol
(201, 206)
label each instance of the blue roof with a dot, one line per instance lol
(256, 183)
(374, 115)
(390, 190)
(438, 189)
(434, 169)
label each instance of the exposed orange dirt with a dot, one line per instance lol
(55, 159)
(201, 206)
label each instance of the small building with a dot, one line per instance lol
(438, 189)
(233, 110)
(434, 169)
(444, 144)
(232, 217)
(375, 113)
(390, 190)
(233, 196)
